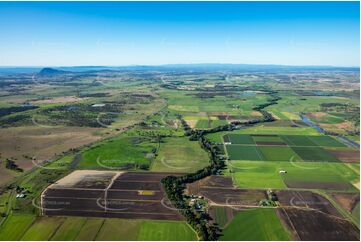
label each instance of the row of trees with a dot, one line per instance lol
(174, 186)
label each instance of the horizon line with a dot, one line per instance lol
(158, 65)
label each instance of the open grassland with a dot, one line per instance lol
(22, 144)
(120, 152)
(179, 154)
(255, 224)
(27, 227)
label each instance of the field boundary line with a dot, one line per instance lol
(87, 198)
(56, 230)
(85, 220)
(100, 227)
(292, 225)
(117, 212)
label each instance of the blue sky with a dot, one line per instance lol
(145, 33)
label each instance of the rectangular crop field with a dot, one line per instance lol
(240, 152)
(278, 153)
(255, 224)
(240, 139)
(314, 154)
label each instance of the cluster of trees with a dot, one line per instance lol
(11, 165)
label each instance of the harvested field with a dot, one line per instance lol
(316, 225)
(212, 182)
(318, 185)
(221, 192)
(347, 200)
(42, 142)
(351, 156)
(305, 199)
(109, 194)
(233, 197)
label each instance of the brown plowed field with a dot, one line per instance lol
(347, 200)
(220, 191)
(306, 199)
(314, 225)
(351, 156)
(136, 195)
(318, 185)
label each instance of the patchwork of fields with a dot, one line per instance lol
(28, 227)
(111, 189)
(291, 148)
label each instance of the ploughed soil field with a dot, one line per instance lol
(109, 194)
(219, 191)
(346, 199)
(310, 216)
(315, 225)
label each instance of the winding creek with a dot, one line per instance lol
(322, 131)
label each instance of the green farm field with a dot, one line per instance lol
(22, 227)
(255, 224)
(249, 174)
(179, 154)
(119, 152)
(281, 148)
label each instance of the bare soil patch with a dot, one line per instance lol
(306, 199)
(137, 195)
(319, 185)
(24, 143)
(65, 99)
(347, 200)
(351, 156)
(221, 192)
(317, 115)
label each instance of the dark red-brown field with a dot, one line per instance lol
(109, 194)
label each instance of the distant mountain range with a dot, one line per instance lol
(48, 71)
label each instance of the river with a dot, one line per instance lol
(322, 131)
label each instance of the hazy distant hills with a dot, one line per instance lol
(49, 71)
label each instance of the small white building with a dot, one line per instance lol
(282, 172)
(97, 105)
(227, 143)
